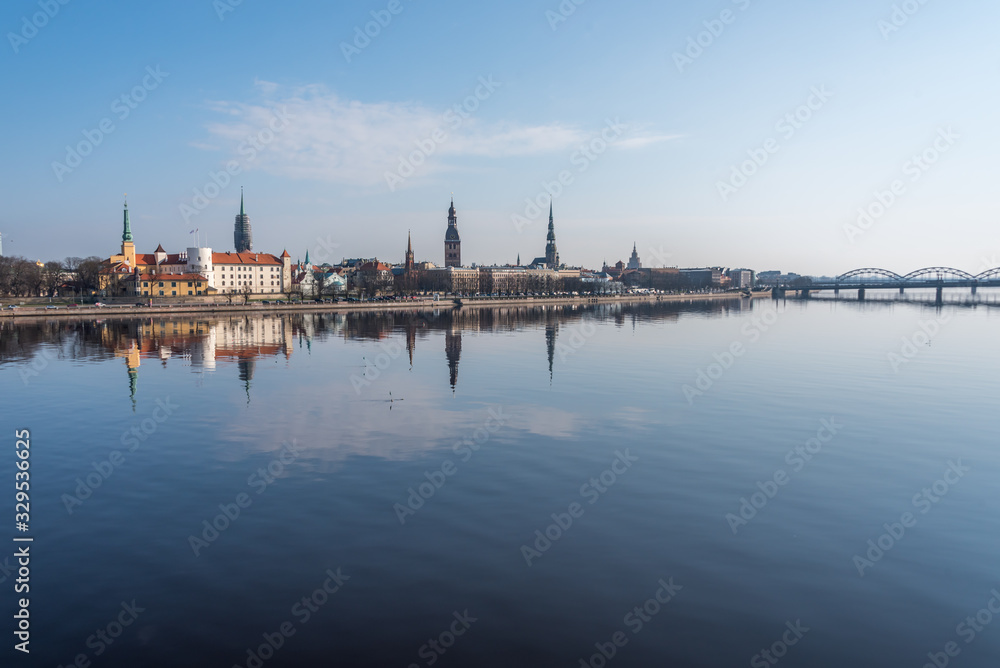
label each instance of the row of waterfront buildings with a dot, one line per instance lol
(202, 272)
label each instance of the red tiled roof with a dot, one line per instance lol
(149, 259)
(374, 266)
(245, 258)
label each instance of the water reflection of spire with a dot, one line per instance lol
(551, 330)
(131, 355)
(247, 368)
(453, 351)
(133, 381)
(411, 339)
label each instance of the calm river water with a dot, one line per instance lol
(676, 484)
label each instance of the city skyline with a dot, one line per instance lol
(846, 143)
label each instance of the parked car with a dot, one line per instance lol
(51, 307)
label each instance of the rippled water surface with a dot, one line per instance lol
(512, 487)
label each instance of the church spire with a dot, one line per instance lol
(127, 229)
(408, 262)
(242, 234)
(452, 240)
(551, 255)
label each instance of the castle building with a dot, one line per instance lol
(452, 242)
(196, 271)
(242, 235)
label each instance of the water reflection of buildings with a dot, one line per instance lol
(201, 343)
(242, 341)
(415, 326)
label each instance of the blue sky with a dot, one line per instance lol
(871, 90)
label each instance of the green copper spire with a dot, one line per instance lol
(307, 257)
(127, 230)
(242, 212)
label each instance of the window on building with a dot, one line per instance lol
(161, 285)
(173, 284)
(173, 293)
(161, 291)
(189, 285)
(190, 293)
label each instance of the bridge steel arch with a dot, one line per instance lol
(988, 274)
(866, 272)
(931, 273)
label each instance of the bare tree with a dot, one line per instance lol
(25, 278)
(52, 277)
(7, 270)
(88, 274)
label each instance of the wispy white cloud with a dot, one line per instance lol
(332, 139)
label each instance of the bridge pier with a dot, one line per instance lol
(861, 294)
(940, 295)
(836, 292)
(974, 286)
(804, 294)
(901, 289)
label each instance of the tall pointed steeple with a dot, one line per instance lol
(127, 228)
(307, 258)
(551, 254)
(128, 247)
(242, 234)
(408, 262)
(452, 241)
